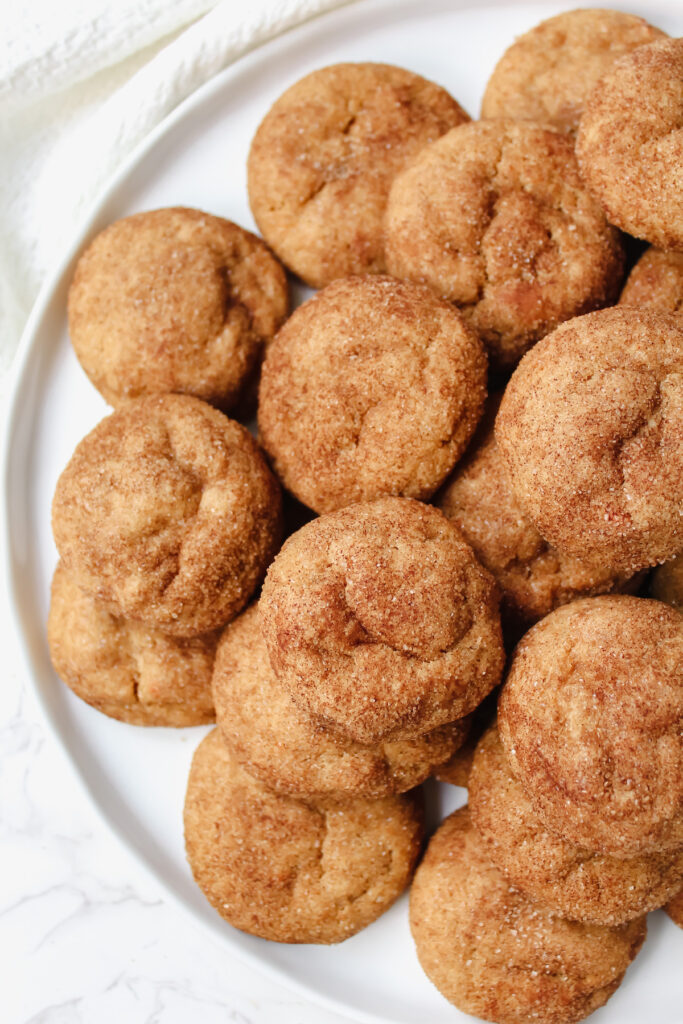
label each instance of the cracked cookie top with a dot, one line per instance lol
(174, 300)
(547, 73)
(372, 387)
(380, 621)
(289, 870)
(168, 512)
(533, 577)
(323, 159)
(576, 882)
(591, 430)
(494, 217)
(125, 670)
(590, 716)
(500, 956)
(630, 143)
(279, 744)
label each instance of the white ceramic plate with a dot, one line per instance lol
(136, 777)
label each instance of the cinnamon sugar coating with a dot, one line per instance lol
(548, 73)
(288, 870)
(674, 909)
(496, 954)
(666, 583)
(533, 577)
(495, 218)
(168, 512)
(372, 387)
(630, 143)
(279, 744)
(123, 669)
(590, 718)
(577, 883)
(323, 159)
(174, 300)
(380, 621)
(657, 281)
(591, 430)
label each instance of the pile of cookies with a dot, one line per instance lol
(443, 511)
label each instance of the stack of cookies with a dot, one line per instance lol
(484, 427)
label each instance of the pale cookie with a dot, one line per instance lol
(323, 159)
(291, 871)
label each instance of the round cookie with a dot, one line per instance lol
(291, 871)
(656, 281)
(372, 387)
(495, 218)
(630, 143)
(138, 675)
(496, 954)
(174, 300)
(532, 576)
(276, 742)
(575, 882)
(666, 583)
(590, 717)
(323, 159)
(591, 430)
(380, 622)
(548, 73)
(168, 512)
(674, 909)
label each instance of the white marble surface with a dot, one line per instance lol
(85, 937)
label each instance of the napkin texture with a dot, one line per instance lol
(82, 82)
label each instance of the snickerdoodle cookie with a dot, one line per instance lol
(532, 576)
(174, 300)
(323, 159)
(279, 744)
(495, 218)
(168, 512)
(372, 387)
(591, 430)
(577, 883)
(498, 955)
(657, 281)
(666, 583)
(547, 73)
(289, 870)
(137, 675)
(590, 717)
(380, 621)
(630, 143)
(674, 909)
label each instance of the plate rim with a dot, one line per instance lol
(16, 384)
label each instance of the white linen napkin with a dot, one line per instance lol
(81, 83)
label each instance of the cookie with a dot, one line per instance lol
(666, 583)
(590, 428)
(495, 218)
(174, 300)
(657, 281)
(548, 73)
(380, 622)
(372, 387)
(496, 954)
(323, 159)
(674, 909)
(590, 717)
(292, 871)
(278, 744)
(532, 576)
(630, 144)
(129, 672)
(456, 771)
(575, 882)
(168, 512)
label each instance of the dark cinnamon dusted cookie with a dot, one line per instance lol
(655, 281)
